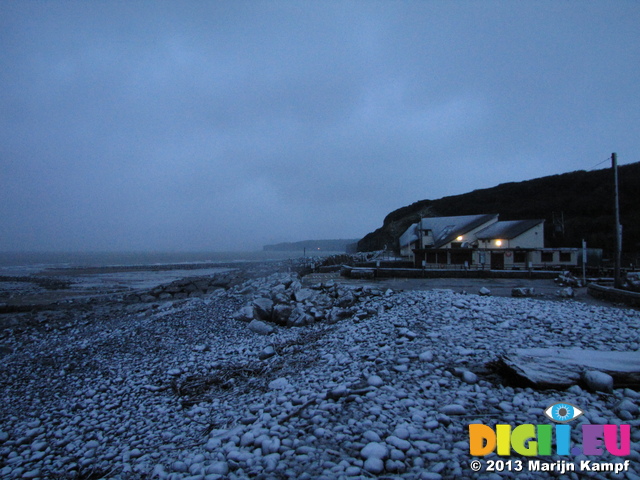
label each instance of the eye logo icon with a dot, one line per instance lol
(563, 412)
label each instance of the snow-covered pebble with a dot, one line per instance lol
(374, 450)
(598, 381)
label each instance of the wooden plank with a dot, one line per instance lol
(561, 368)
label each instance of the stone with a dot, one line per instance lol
(469, 377)
(374, 450)
(374, 465)
(596, 381)
(484, 291)
(300, 318)
(261, 327)
(426, 356)
(629, 406)
(522, 292)
(346, 300)
(453, 409)
(399, 443)
(337, 314)
(245, 314)
(281, 313)
(566, 293)
(266, 353)
(303, 294)
(279, 384)
(375, 381)
(263, 308)
(371, 436)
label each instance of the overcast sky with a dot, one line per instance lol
(225, 125)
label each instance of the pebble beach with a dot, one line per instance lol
(353, 382)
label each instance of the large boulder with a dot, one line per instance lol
(281, 313)
(304, 294)
(346, 299)
(263, 308)
(245, 314)
(299, 318)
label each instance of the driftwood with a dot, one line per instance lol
(561, 368)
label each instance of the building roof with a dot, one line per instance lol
(508, 229)
(409, 236)
(446, 229)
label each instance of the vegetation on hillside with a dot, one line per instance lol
(576, 205)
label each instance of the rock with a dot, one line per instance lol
(566, 293)
(245, 314)
(337, 314)
(281, 313)
(304, 294)
(346, 300)
(399, 443)
(279, 384)
(266, 353)
(218, 468)
(371, 436)
(629, 406)
(375, 381)
(261, 327)
(374, 450)
(263, 308)
(270, 445)
(300, 318)
(484, 291)
(522, 292)
(469, 377)
(374, 465)
(405, 332)
(426, 356)
(453, 409)
(596, 381)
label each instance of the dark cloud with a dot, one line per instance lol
(226, 125)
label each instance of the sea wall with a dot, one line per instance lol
(603, 292)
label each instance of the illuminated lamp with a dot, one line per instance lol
(499, 243)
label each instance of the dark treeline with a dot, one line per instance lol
(576, 205)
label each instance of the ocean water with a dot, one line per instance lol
(19, 263)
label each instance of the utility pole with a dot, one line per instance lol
(616, 275)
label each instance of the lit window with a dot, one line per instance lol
(499, 243)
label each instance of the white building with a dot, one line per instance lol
(482, 242)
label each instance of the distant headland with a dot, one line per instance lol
(341, 245)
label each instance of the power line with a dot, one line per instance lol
(597, 165)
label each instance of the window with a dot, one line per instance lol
(565, 256)
(520, 257)
(546, 257)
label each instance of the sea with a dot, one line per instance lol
(27, 263)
